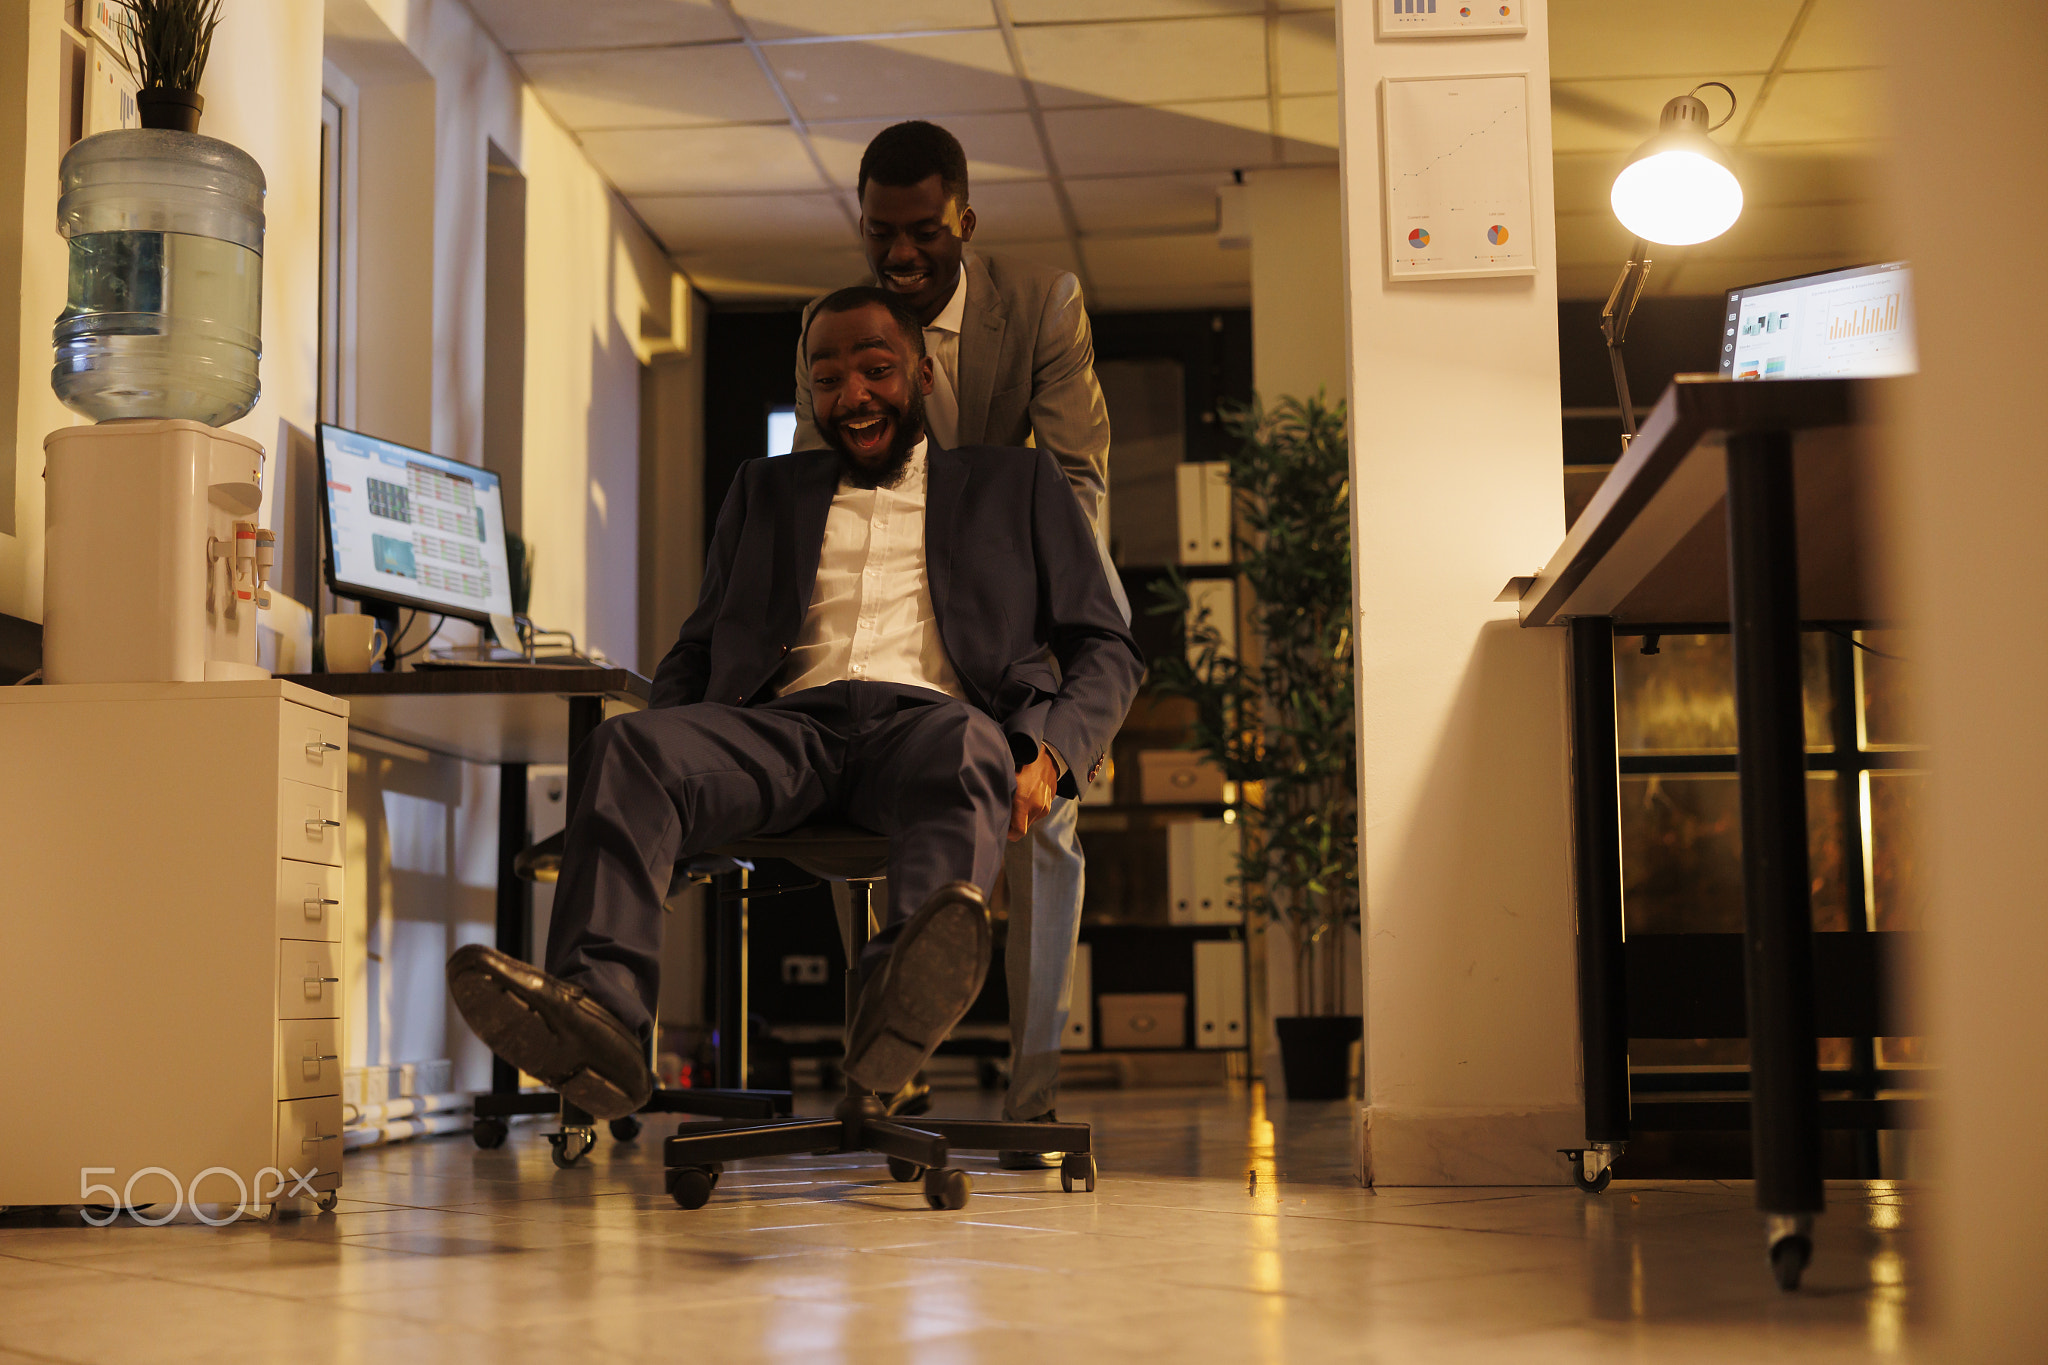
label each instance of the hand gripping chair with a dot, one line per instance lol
(917, 1149)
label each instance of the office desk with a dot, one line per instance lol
(1738, 508)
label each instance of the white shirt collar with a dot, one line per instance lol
(955, 312)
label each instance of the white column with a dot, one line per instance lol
(1968, 490)
(1471, 1015)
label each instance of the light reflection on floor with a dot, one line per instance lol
(1180, 1255)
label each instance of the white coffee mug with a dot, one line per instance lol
(353, 643)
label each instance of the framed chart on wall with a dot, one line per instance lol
(1455, 187)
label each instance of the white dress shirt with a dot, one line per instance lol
(942, 344)
(871, 617)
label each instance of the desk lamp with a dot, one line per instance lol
(1677, 190)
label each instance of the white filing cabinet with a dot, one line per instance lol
(170, 940)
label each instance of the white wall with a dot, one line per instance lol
(1471, 1020)
(1969, 485)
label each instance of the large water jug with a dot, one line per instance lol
(164, 314)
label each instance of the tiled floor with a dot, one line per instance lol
(442, 1252)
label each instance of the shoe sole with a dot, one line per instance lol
(498, 1012)
(934, 977)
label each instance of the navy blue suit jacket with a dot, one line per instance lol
(1014, 571)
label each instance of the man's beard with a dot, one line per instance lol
(909, 421)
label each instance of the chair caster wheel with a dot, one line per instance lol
(691, 1186)
(1598, 1183)
(327, 1202)
(903, 1172)
(1077, 1168)
(1789, 1257)
(569, 1145)
(489, 1133)
(947, 1187)
(625, 1129)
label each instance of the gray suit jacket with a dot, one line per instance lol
(1027, 370)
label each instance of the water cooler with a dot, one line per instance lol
(155, 565)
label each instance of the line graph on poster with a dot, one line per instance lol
(1455, 168)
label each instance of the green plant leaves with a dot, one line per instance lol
(168, 41)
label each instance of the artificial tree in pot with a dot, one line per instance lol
(167, 43)
(1277, 717)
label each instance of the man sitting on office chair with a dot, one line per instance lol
(869, 645)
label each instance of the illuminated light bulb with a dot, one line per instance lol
(1677, 197)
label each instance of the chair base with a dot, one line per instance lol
(578, 1133)
(695, 1157)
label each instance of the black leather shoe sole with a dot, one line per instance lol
(1032, 1161)
(934, 972)
(550, 1030)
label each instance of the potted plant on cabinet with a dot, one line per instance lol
(1276, 716)
(167, 42)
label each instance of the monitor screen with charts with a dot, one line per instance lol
(1854, 323)
(413, 529)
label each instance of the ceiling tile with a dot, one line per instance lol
(1592, 38)
(899, 77)
(740, 275)
(998, 146)
(700, 223)
(544, 25)
(1838, 33)
(1083, 11)
(1150, 63)
(1709, 275)
(1308, 125)
(1620, 115)
(1821, 174)
(1220, 136)
(1821, 106)
(1017, 211)
(653, 87)
(1306, 45)
(1852, 231)
(732, 160)
(1191, 263)
(1149, 202)
(801, 18)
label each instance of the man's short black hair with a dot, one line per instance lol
(861, 296)
(905, 154)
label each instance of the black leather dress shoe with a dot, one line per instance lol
(1032, 1161)
(551, 1030)
(932, 975)
(913, 1099)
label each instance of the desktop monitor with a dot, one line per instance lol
(1854, 323)
(412, 529)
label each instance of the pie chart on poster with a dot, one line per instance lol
(1419, 237)
(1496, 234)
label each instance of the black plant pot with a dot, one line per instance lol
(1315, 1054)
(177, 110)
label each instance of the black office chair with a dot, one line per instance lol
(917, 1149)
(542, 862)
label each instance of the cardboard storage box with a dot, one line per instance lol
(1168, 777)
(1134, 1021)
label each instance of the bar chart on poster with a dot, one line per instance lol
(1456, 176)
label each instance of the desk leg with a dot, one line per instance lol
(1763, 579)
(515, 894)
(1596, 838)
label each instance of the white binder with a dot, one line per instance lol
(1219, 994)
(1080, 1031)
(1201, 867)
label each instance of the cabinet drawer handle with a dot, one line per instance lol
(320, 748)
(315, 985)
(316, 906)
(315, 829)
(317, 1138)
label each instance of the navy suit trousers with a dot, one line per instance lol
(658, 787)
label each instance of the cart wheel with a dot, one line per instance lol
(1597, 1183)
(328, 1201)
(1789, 1256)
(1077, 1168)
(947, 1187)
(570, 1144)
(625, 1129)
(489, 1133)
(691, 1186)
(903, 1172)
